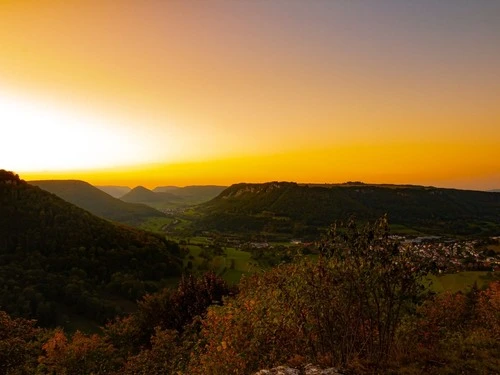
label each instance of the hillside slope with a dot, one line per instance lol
(194, 194)
(286, 206)
(92, 199)
(58, 260)
(158, 200)
(114, 191)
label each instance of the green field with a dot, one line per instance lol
(200, 240)
(155, 224)
(230, 264)
(461, 281)
(240, 263)
(403, 230)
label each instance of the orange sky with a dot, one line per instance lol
(217, 92)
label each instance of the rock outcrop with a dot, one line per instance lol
(306, 370)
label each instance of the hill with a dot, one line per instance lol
(115, 191)
(140, 194)
(90, 198)
(286, 207)
(58, 261)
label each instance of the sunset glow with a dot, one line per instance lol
(218, 92)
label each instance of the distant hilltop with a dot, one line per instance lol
(94, 200)
(122, 204)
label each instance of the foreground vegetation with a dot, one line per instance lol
(361, 306)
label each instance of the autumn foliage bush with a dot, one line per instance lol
(168, 354)
(454, 333)
(80, 355)
(20, 345)
(250, 331)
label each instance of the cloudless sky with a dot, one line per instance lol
(198, 92)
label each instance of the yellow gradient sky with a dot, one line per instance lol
(217, 92)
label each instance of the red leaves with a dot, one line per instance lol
(489, 309)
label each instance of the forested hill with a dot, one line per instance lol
(140, 194)
(283, 206)
(92, 199)
(58, 260)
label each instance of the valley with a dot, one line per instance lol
(249, 228)
(116, 268)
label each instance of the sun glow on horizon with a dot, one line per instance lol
(43, 137)
(433, 164)
(175, 92)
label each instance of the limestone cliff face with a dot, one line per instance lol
(306, 370)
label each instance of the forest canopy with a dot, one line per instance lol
(57, 259)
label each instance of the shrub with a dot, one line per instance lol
(81, 354)
(343, 309)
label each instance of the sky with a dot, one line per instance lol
(121, 92)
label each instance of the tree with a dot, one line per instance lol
(378, 278)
